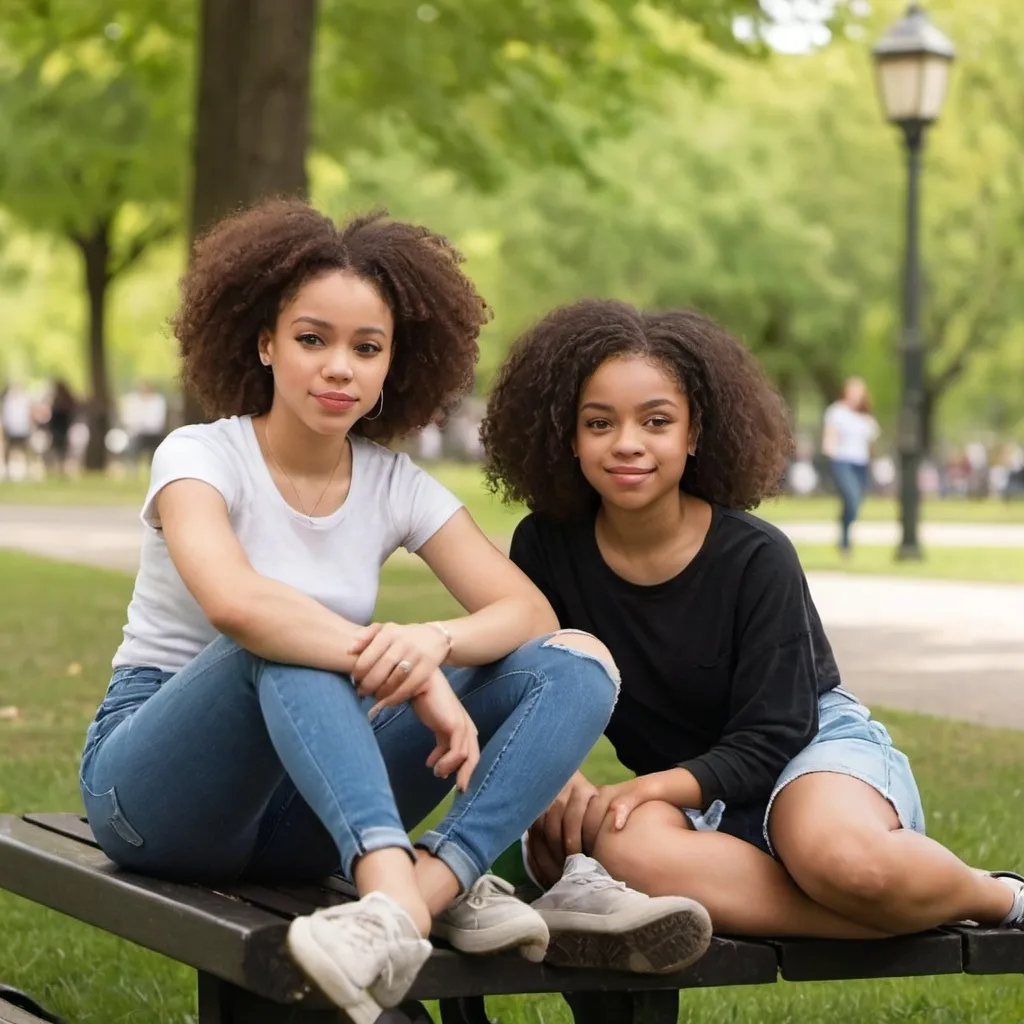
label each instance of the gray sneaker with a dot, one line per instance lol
(598, 922)
(489, 919)
(1015, 918)
(364, 955)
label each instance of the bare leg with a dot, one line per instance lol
(390, 871)
(745, 891)
(436, 881)
(842, 843)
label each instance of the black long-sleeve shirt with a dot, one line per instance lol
(721, 665)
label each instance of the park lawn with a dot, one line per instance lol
(984, 565)
(825, 508)
(59, 625)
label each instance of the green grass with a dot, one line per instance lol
(90, 489)
(935, 510)
(58, 627)
(986, 565)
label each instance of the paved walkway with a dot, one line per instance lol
(948, 648)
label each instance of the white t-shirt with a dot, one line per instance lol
(17, 413)
(853, 431)
(335, 559)
(145, 413)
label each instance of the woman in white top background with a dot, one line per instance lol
(848, 434)
(257, 725)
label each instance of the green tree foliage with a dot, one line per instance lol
(481, 86)
(93, 144)
(648, 158)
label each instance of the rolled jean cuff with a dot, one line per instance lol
(462, 865)
(373, 839)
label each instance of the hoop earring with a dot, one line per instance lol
(376, 415)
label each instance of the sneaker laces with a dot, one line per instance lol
(599, 883)
(486, 888)
(366, 928)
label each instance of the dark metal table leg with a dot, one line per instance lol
(624, 1007)
(465, 1010)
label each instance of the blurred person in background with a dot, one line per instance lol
(145, 419)
(848, 434)
(976, 455)
(63, 406)
(16, 419)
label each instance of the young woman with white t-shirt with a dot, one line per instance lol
(257, 726)
(848, 434)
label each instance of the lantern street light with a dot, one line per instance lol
(912, 64)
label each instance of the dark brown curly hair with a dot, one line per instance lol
(249, 265)
(740, 421)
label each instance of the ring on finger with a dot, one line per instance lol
(404, 666)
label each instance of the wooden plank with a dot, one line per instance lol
(727, 962)
(10, 1014)
(905, 956)
(64, 824)
(342, 886)
(992, 950)
(287, 900)
(212, 932)
(14, 1002)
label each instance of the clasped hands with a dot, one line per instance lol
(399, 663)
(573, 821)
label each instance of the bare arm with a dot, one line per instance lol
(828, 440)
(271, 619)
(505, 608)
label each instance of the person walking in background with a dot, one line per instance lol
(16, 419)
(848, 434)
(63, 406)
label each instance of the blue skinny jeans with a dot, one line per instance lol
(852, 482)
(238, 768)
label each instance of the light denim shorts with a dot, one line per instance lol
(849, 742)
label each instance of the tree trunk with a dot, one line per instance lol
(928, 408)
(95, 251)
(252, 109)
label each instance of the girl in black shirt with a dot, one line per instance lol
(763, 789)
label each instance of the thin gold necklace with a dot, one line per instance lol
(298, 497)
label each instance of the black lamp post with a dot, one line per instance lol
(912, 62)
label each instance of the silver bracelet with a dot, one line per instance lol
(443, 630)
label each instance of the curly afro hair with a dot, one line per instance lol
(741, 423)
(251, 264)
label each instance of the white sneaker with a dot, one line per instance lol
(596, 921)
(1015, 918)
(489, 918)
(364, 955)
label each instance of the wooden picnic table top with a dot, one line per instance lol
(236, 933)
